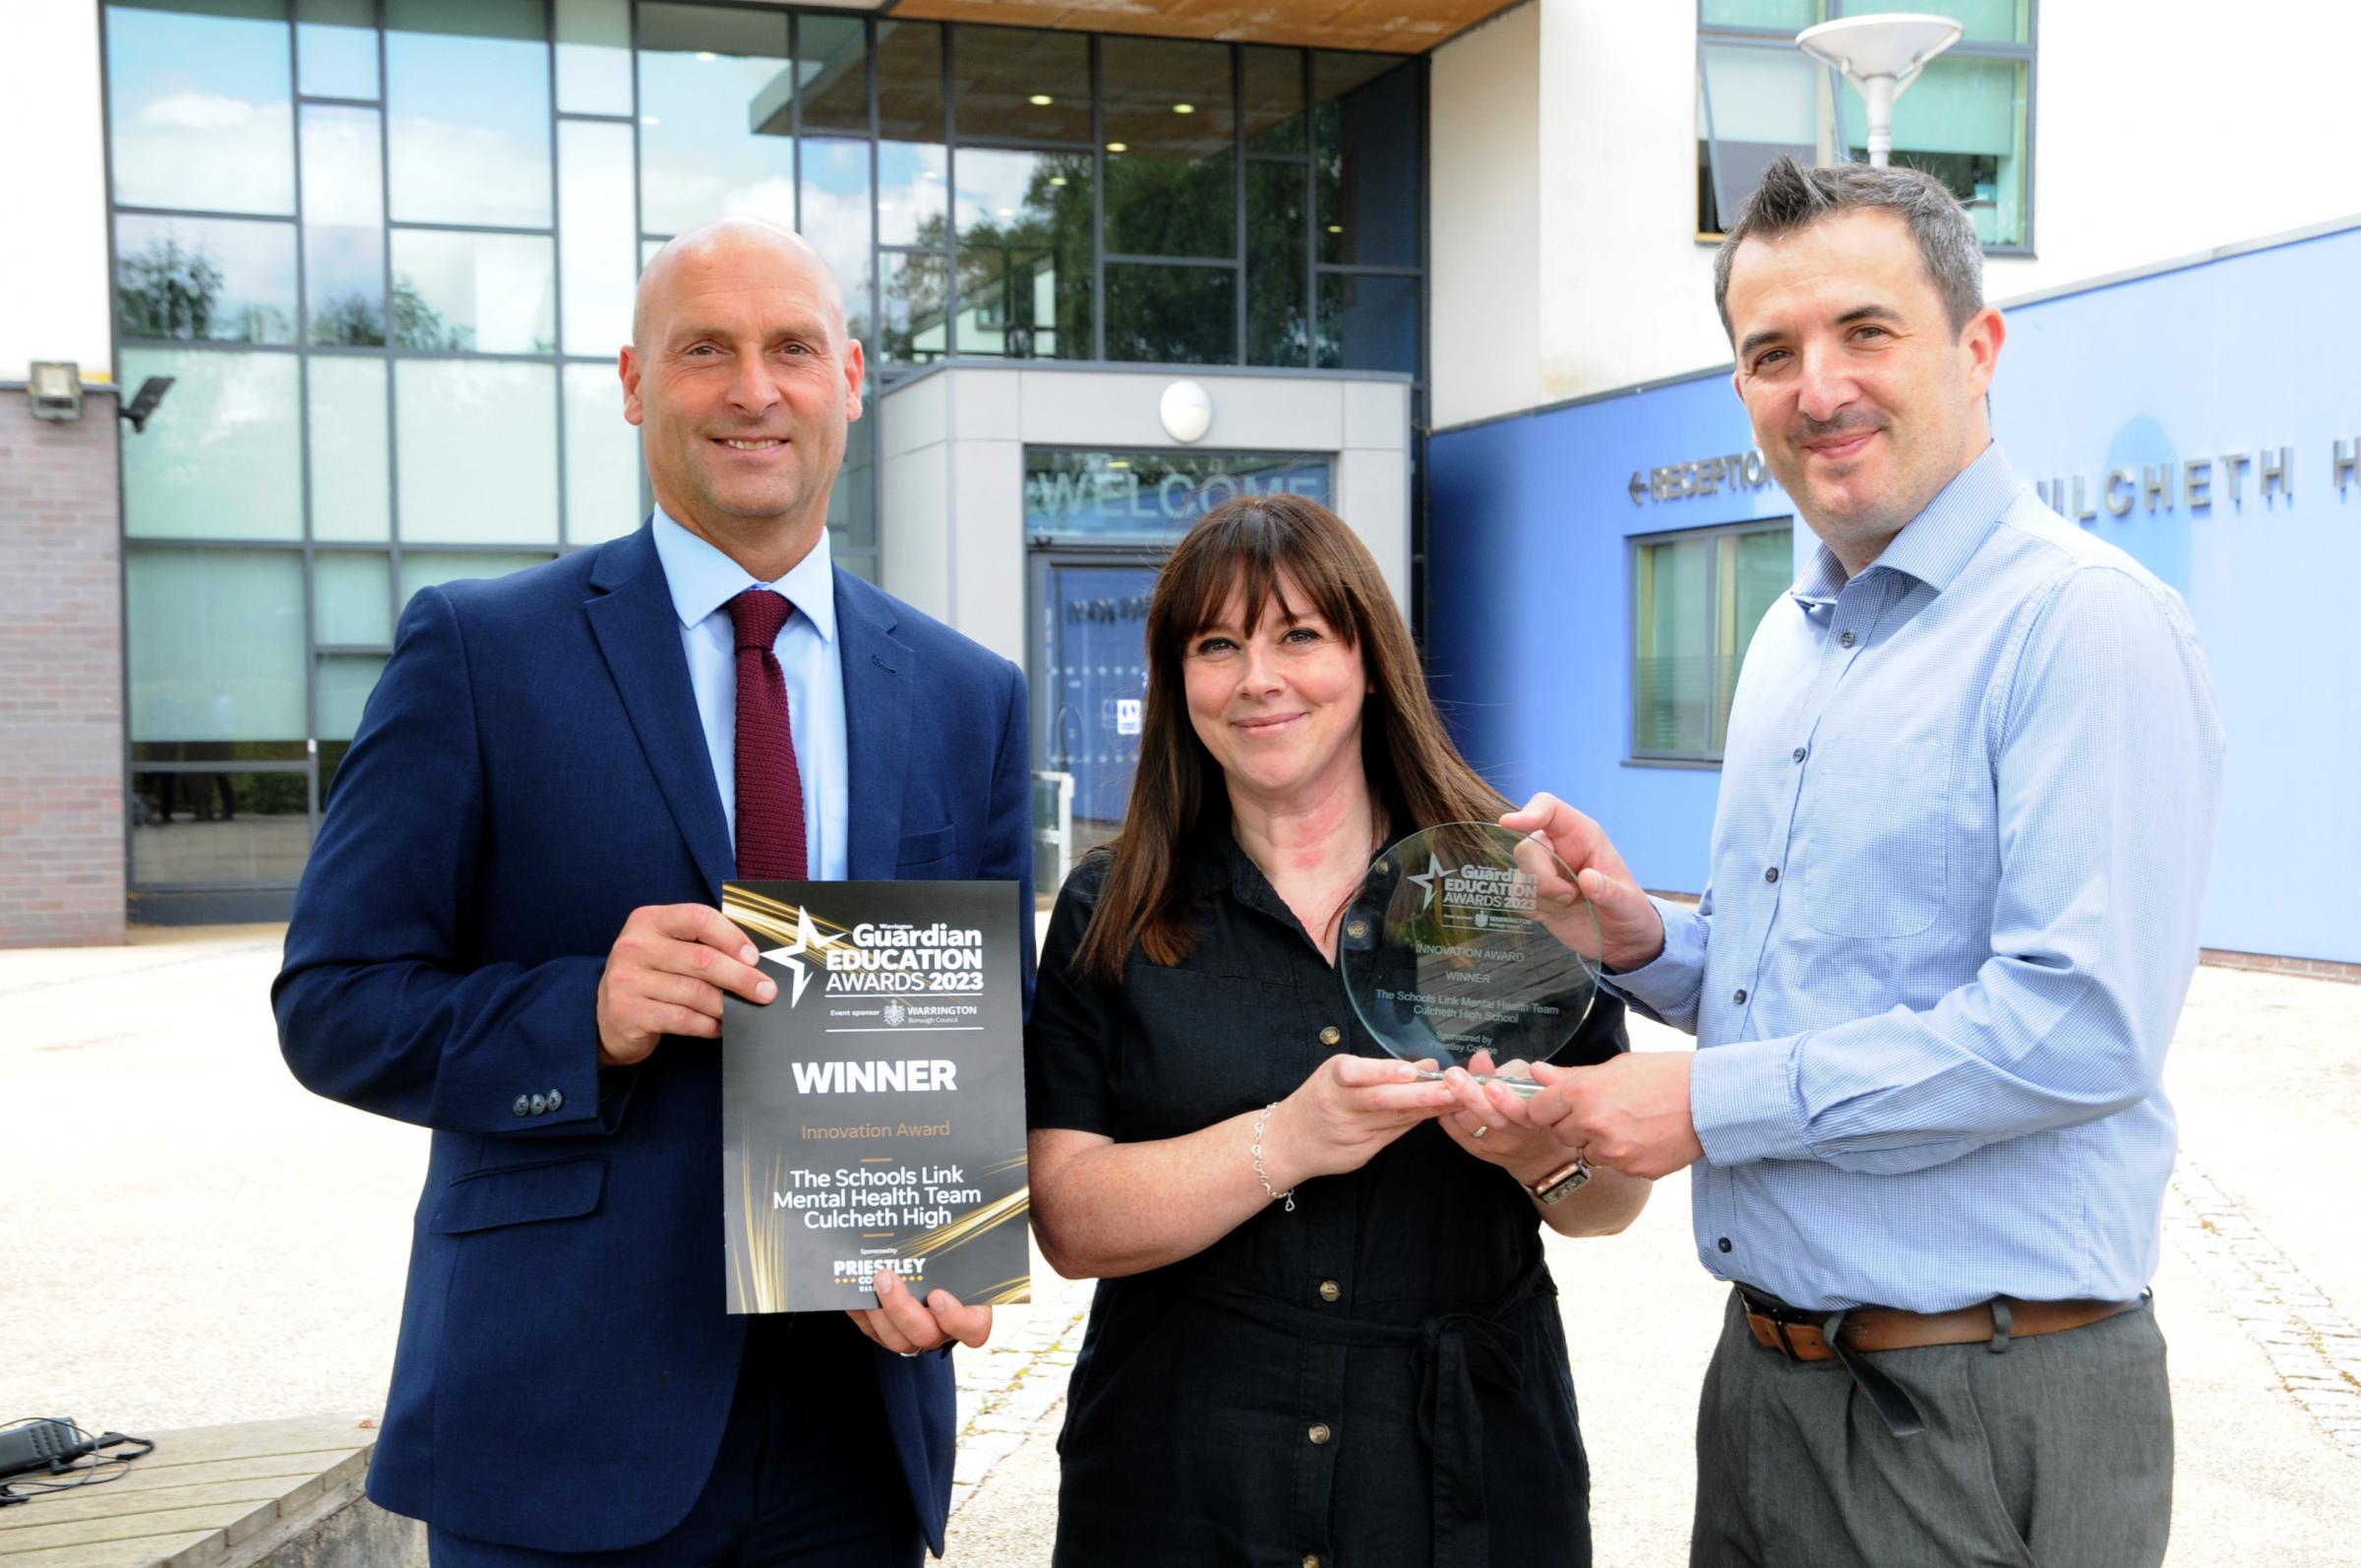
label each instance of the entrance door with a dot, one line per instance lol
(1089, 614)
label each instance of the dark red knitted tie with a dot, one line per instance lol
(770, 788)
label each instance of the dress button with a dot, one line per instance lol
(1739, 995)
(540, 1104)
(1724, 1243)
(1318, 1433)
(523, 1106)
(1771, 874)
(1847, 639)
(557, 1100)
(1799, 753)
(1356, 931)
(1311, 1559)
(1331, 1036)
(1330, 1291)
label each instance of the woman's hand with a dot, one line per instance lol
(1347, 1111)
(1510, 1137)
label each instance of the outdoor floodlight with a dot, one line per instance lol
(55, 388)
(1187, 411)
(1880, 55)
(143, 403)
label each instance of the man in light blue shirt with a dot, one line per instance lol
(1967, 804)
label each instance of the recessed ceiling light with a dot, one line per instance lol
(1336, 228)
(707, 55)
(1185, 108)
(1041, 100)
(1057, 179)
(649, 119)
(1118, 147)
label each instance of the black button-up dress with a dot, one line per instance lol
(1378, 1379)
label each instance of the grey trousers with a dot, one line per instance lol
(2055, 1452)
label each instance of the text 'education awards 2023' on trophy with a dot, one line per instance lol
(874, 1111)
(1472, 946)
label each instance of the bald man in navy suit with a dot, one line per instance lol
(509, 933)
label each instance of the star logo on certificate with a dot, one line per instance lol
(1426, 879)
(790, 957)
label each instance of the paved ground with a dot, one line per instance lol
(191, 1239)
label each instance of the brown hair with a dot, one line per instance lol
(1416, 775)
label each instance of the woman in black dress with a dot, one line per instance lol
(1323, 1334)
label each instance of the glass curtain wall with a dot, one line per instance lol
(385, 248)
(1968, 119)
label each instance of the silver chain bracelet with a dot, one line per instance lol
(1260, 1175)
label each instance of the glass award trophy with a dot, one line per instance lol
(1471, 946)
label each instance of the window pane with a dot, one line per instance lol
(489, 293)
(1367, 163)
(1172, 315)
(1021, 85)
(1277, 326)
(344, 225)
(335, 48)
(1788, 15)
(596, 246)
(1024, 254)
(426, 569)
(1369, 323)
(1962, 121)
(220, 828)
(1274, 100)
(467, 97)
(909, 81)
(216, 644)
(713, 116)
(352, 476)
(221, 279)
(201, 108)
(910, 296)
(595, 56)
(602, 458)
(832, 70)
(218, 459)
(912, 208)
(1757, 107)
(1673, 665)
(352, 599)
(345, 682)
(1993, 20)
(853, 503)
(479, 450)
(1171, 188)
(1765, 569)
(837, 220)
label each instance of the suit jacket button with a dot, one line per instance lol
(523, 1106)
(557, 1100)
(540, 1104)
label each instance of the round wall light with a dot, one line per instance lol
(1187, 411)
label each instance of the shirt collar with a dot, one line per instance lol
(702, 579)
(1935, 546)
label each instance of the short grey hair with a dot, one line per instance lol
(1792, 198)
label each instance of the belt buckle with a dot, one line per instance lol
(1778, 1319)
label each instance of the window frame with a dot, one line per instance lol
(1724, 688)
(2026, 53)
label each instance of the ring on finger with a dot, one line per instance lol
(1482, 1127)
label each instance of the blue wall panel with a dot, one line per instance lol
(1530, 594)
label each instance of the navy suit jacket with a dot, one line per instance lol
(529, 771)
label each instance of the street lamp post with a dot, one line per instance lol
(1881, 56)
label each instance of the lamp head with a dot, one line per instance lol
(1895, 45)
(143, 403)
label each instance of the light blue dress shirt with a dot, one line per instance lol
(1967, 807)
(704, 582)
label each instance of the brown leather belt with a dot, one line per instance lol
(1885, 1328)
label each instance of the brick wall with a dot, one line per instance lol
(61, 678)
